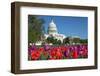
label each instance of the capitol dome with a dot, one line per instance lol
(52, 29)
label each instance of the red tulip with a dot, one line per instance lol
(52, 53)
(75, 54)
(35, 55)
(58, 54)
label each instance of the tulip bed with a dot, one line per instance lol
(48, 52)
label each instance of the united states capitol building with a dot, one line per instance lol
(53, 31)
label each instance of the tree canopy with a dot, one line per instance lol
(35, 28)
(53, 41)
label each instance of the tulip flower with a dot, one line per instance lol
(75, 55)
(35, 55)
(48, 52)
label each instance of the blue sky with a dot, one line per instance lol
(69, 26)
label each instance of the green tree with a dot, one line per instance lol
(50, 39)
(66, 40)
(53, 41)
(35, 28)
(76, 40)
(83, 41)
(59, 42)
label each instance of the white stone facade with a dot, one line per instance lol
(52, 30)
